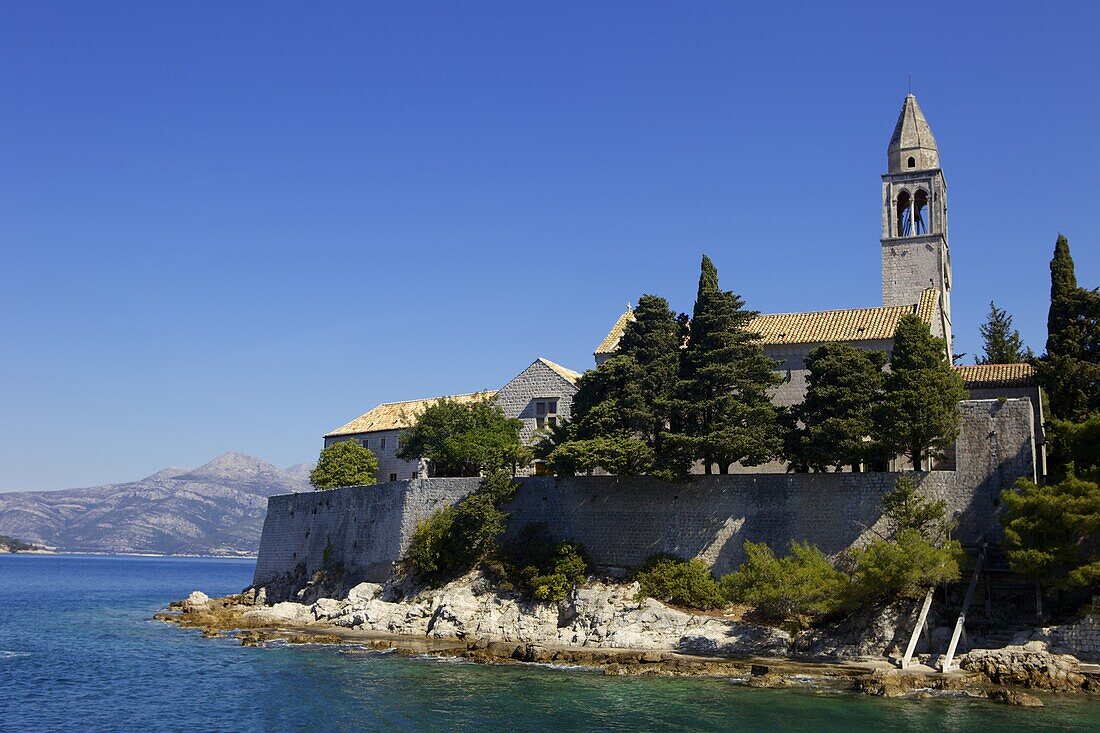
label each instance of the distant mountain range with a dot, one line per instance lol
(216, 509)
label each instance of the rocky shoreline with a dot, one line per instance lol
(604, 626)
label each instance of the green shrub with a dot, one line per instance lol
(905, 567)
(687, 583)
(792, 591)
(1053, 532)
(541, 568)
(452, 540)
(344, 464)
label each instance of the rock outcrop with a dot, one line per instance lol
(1029, 666)
(602, 616)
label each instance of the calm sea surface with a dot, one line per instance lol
(78, 652)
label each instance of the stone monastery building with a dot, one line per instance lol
(916, 279)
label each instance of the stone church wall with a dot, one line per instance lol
(622, 521)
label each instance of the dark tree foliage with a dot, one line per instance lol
(722, 410)
(1003, 344)
(607, 408)
(918, 416)
(1070, 370)
(346, 463)
(833, 423)
(1063, 286)
(1052, 533)
(621, 409)
(462, 439)
(1077, 443)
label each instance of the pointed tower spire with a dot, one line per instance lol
(912, 147)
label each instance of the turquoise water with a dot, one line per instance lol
(79, 653)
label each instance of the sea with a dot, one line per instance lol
(80, 651)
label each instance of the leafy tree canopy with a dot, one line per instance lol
(835, 419)
(1053, 532)
(1070, 370)
(344, 464)
(905, 508)
(1003, 344)
(918, 415)
(723, 413)
(462, 439)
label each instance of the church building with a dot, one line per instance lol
(916, 279)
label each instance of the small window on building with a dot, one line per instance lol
(546, 413)
(393, 477)
(382, 444)
(365, 443)
(414, 475)
(912, 162)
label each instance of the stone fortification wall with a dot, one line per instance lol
(622, 521)
(362, 529)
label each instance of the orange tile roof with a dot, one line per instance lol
(399, 415)
(976, 376)
(610, 342)
(852, 324)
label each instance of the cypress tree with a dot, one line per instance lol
(1063, 286)
(1070, 370)
(918, 415)
(836, 415)
(1003, 344)
(723, 413)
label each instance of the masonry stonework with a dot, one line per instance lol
(623, 520)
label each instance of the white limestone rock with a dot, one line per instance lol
(286, 612)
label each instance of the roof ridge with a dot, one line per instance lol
(439, 397)
(836, 310)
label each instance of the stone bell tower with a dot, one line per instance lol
(915, 255)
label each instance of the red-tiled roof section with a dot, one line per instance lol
(978, 376)
(851, 324)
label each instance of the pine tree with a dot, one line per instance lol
(652, 339)
(918, 415)
(1070, 370)
(1003, 344)
(836, 415)
(722, 412)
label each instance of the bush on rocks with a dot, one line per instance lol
(905, 567)
(452, 540)
(541, 568)
(792, 591)
(687, 583)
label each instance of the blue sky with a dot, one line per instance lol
(235, 226)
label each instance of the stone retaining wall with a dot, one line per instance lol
(622, 521)
(1081, 639)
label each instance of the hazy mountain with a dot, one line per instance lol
(216, 509)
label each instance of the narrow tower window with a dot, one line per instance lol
(920, 212)
(912, 162)
(904, 214)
